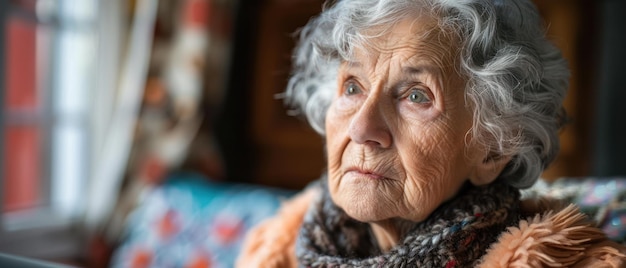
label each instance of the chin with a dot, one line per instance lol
(364, 216)
(363, 208)
(364, 200)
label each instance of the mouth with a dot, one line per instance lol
(371, 174)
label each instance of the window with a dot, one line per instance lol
(49, 60)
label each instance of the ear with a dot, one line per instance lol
(488, 169)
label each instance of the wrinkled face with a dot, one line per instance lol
(397, 129)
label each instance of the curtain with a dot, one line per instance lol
(116, 114)
(172, 82)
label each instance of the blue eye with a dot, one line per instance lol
(418, 96)
(352, 89)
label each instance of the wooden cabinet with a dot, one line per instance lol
(271, 148)
(287, 151)
(571, 25)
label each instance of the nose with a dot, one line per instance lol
(369, 125)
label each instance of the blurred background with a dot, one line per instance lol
(101, 100)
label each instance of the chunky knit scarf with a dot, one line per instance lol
(457, 234)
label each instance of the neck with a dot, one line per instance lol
(389, 232)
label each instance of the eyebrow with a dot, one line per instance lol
(353, 64)
(412, 70)
(428, 69)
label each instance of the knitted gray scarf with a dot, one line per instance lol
(457, 234)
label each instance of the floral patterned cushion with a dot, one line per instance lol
(190, 221)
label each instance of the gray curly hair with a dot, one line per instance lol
(516, 79)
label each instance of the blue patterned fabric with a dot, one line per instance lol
(192, 222)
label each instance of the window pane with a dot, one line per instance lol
(75, 57)
(75, 62)
(68, 162)
(22, 134)
(21, 168)
(20, 72)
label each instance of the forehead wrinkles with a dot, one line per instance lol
(413, 41)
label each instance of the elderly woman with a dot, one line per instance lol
(435, 114)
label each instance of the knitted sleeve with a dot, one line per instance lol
(272, 242)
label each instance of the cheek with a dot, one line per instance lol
(425, 154)
(436, 140)
(335, 141)
(332, 128)
(434, 159)
(334, 150)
